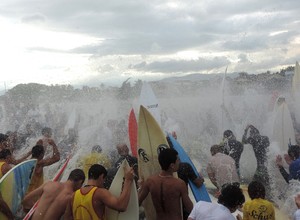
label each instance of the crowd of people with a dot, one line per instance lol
(74, 200)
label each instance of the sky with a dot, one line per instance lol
(89, 42)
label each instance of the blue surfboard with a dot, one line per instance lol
(14, 184)
(201, 193)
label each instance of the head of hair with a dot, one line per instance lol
(256, 190)
(96, 170)
(3, 138)
(294, 151)
(227, 133)
(37, 151)
(4, 153)
(166, 157)
(123, 150)
(216, 149)
(77, 175)
(231, 196)
(96, 149)
(46, 130)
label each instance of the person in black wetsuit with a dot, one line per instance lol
(260, 146)
(233, 148)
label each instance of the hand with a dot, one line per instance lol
(287, 159)
(279, 161)
(129, 174)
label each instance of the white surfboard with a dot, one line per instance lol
(283, 129)
(132, 211)
(296, 80)
(149, 101)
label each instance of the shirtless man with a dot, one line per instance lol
(38, 153)
(166, 190)
(90, 201)
(54, 196)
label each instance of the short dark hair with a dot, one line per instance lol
(166, 157)
(4, 153)
(231, 196)
(96, 170)
(294, 151)
(77, 175)
(37, 151)
(227, 133)
(256, 190)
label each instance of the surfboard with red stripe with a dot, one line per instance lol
(133, 132)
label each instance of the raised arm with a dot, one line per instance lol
(31, 197)
(15, 161)
(118, 203)
(55, 156)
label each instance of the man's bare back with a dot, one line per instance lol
(54, 196)
(54, 200)
(167, 192)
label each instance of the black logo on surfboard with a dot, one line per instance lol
(142, 153)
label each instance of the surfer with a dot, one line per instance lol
(90, 201)
(258, 207)
(4, 208)
(233, 148)
(38, 153)
(230, 199)
(221, 168)
(260, 145)
(293, 159)
(166, 191)
(54, 196)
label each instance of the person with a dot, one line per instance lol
(221, 168)
(296, 215)
(5, 210)
(260, 146)
(54, 196)
(96, 156)
(186, 173)
(38, 153)
(123, 152)
(230, 199)
(166, 190)
(4, 141)
(293, 159)
(90, 201)
(233, 148)
(6, 158)
(4, 165)
(258, 207)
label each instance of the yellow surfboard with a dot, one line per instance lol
(151, 139)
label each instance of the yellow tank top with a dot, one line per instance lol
(258, 209)
(95, 158)
(1, 164)
(83, 207)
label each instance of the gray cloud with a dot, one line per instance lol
(182, 66)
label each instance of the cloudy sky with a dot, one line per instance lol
(95, 41)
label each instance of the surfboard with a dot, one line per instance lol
(57, 177)
(150, 139)
(296, 79)
(283, 129)
(201, 193)
(14, 184)
(132, 132)
(149, 100)
(132, 211)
